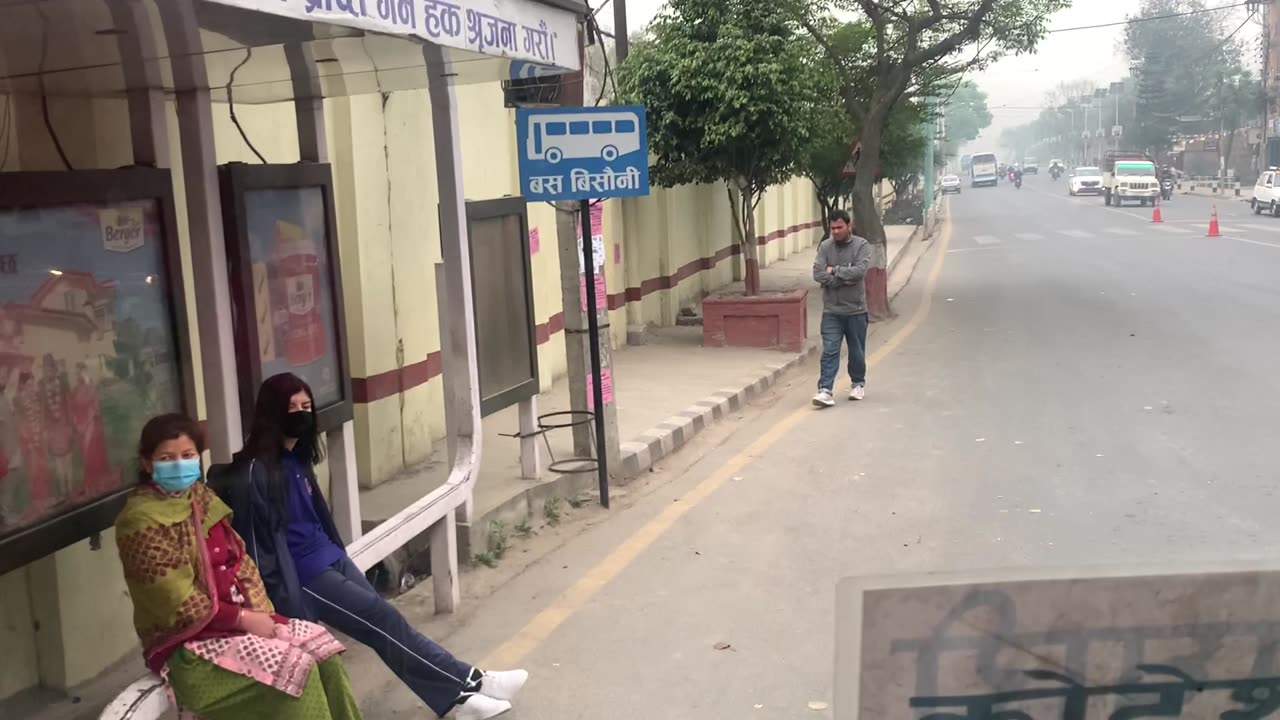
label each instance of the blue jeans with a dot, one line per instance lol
(850, 328)
(345, 601)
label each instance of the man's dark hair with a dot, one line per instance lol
(842, 215)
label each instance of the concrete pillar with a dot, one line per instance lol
(530, 441)
(461, 370)
(576, 340)
(204, 215)
(308, 105)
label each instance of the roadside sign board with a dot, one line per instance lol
(582, 153)
(851, 166)
(1072, 643)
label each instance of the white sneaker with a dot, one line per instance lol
(503, 685)
(857, 393)
(823, 399)
(481, 707)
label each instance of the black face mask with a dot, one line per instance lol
(298, 425)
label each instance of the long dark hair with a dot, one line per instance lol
(265, 443)
(266, 438)
(161, 429)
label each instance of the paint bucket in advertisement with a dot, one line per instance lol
(295, 270)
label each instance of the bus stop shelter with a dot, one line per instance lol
(187, 55)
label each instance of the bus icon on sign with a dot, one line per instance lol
(608, 136)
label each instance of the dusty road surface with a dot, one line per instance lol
(1066, 383)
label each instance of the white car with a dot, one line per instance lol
(1085, 181)
(950, 184)
(1266, 194)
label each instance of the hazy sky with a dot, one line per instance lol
(1017, 83)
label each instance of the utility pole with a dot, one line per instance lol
(1263, 160)
(1222, 123)
(621, 42)
(585, 349)
(930, 134)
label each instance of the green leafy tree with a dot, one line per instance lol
(732, 91)
(964, 116)
(1235, 106)
(911, 50)
(1181, 60)
(826, 159)
(903, 147)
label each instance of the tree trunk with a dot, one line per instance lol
(866, 217)
(745, 210)
(825, 205)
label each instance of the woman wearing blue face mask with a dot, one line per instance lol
(199, 606)
(271, 485)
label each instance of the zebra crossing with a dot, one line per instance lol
(988, 241)
(1181, 229)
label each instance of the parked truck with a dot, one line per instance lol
(1129, 175)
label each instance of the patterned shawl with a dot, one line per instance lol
(167, 567)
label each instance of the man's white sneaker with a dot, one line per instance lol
(503, 685)
(481, 707)
(857, 393)
(823, 399)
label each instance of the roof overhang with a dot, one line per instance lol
(105, 48)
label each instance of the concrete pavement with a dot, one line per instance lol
(1065, 384)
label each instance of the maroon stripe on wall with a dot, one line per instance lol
(385, 384)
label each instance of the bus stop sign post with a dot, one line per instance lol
(586, 154)
(593, 337)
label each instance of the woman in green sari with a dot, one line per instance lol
(199, 606)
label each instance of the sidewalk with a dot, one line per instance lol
(699, 386)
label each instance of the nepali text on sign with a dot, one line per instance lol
(582, 153)
(506, 28)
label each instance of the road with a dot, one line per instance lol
(1065, 384)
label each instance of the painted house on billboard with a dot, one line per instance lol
(71, 316)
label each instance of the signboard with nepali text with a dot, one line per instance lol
(519, 29)
(1104, 643)
(582, 153)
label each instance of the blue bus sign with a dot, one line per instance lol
(582, 153)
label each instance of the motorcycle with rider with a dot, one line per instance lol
(1166, 182)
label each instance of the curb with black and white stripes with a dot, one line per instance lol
(676, 431)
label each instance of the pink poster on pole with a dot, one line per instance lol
(535, 241)
(606, 389)
(597, 219)
(602, 292)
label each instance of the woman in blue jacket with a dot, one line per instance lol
(288, 528)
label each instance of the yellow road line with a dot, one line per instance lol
(538, 629)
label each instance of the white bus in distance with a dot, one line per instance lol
(589, 135)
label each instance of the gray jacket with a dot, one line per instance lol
(842, 290)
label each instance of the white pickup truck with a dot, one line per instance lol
(1129, 176)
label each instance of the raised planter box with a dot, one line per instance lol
(777, 320)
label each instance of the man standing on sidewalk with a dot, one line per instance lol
(841, 263)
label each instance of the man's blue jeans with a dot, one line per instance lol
(849, 328)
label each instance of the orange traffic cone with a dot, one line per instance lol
(1155, 212)
(1213, 223)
